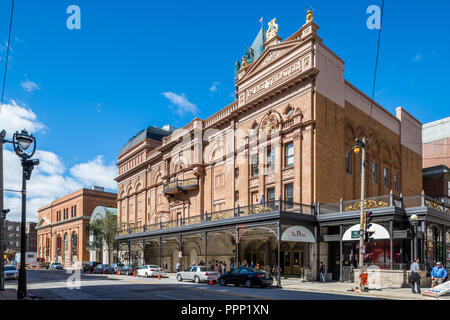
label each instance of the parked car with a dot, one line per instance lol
(55, 266)
(128, 270)
(90, 266)
(112, 269)
(11, 272)
(100, 268)
(44, 265)
(198, 274)
(246, 276)
(149, 270)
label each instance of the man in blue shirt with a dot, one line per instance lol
(437, 275)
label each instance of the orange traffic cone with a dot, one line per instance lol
(134, 274)
(159, 275)
(89, 270)
(210, 282)
(117, 272)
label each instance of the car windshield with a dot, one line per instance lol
(9, 268)
(256, 270)
(153, 266)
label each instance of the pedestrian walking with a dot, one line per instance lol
(232, 265)
(438, 274)
(415, 276)
(224, 267)
(252, 265)
(322, 272)
(165, 266)
(178, 267)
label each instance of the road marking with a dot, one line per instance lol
(163, 296)
(207, 288)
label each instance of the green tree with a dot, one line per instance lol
(104, 230)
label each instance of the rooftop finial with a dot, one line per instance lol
(309, 14)
(273, 29)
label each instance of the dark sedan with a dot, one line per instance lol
(89, 267)
(246, 276)
(128, 270)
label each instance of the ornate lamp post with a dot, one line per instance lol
(414, 222)
(22, 142)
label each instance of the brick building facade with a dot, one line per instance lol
(62, 227)
(287, 138)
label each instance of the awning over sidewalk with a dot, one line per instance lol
(298, 234)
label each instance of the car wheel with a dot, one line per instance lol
(197, 279)
(179, 278)
(146, 275)
(248, 284)
(222, 282)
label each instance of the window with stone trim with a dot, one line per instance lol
(374, 173)
(395, 182)
(386, 177)
(270, 159)
(289, 154)
(254, 165)
(348, 162)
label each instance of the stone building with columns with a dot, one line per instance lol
(244, 183)
(62, 233)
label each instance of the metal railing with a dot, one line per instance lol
(255, 209)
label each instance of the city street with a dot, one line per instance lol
(51, 285)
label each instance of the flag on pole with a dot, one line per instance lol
(260, 20)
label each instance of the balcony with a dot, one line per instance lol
(234, 213)
(177, 186)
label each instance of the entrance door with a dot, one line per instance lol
(297, 262)
(285, 260)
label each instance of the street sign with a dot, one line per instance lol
(355, 234)
(363, 249)
(180, 254)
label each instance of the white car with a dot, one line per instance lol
(149, 270)
(198, 274)
(11, 272)
(55, 266)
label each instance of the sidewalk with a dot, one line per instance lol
(8, 294)
(346, 287)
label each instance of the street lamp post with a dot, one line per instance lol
(22, 142)
(361, 146)
(414, 221)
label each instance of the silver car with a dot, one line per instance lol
(11, 272)
(198, 274)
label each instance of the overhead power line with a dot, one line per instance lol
(7, 55)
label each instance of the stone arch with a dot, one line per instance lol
(157, 177)
(215, 152)
(270, 122)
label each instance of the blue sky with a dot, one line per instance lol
(139, 63)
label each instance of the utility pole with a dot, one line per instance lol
(361, 146)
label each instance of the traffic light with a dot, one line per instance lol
(3, 214)
(368, 220)
(368, 236)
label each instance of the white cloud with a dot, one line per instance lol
(49, 180)
(29, 86)
(214, 86)
(182, 104)
(95, 172)
(15, 118)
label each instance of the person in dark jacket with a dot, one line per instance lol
(415, 276)
(322, 272)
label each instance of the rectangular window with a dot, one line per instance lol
(254, 163)
(386, 178)
(271, 194)
(374, 173)
(270, 160)
(289, 195)
(71, 211)
(395, 182)
(254, 196)
(75, 211)
(348, 162)
(289, 154)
